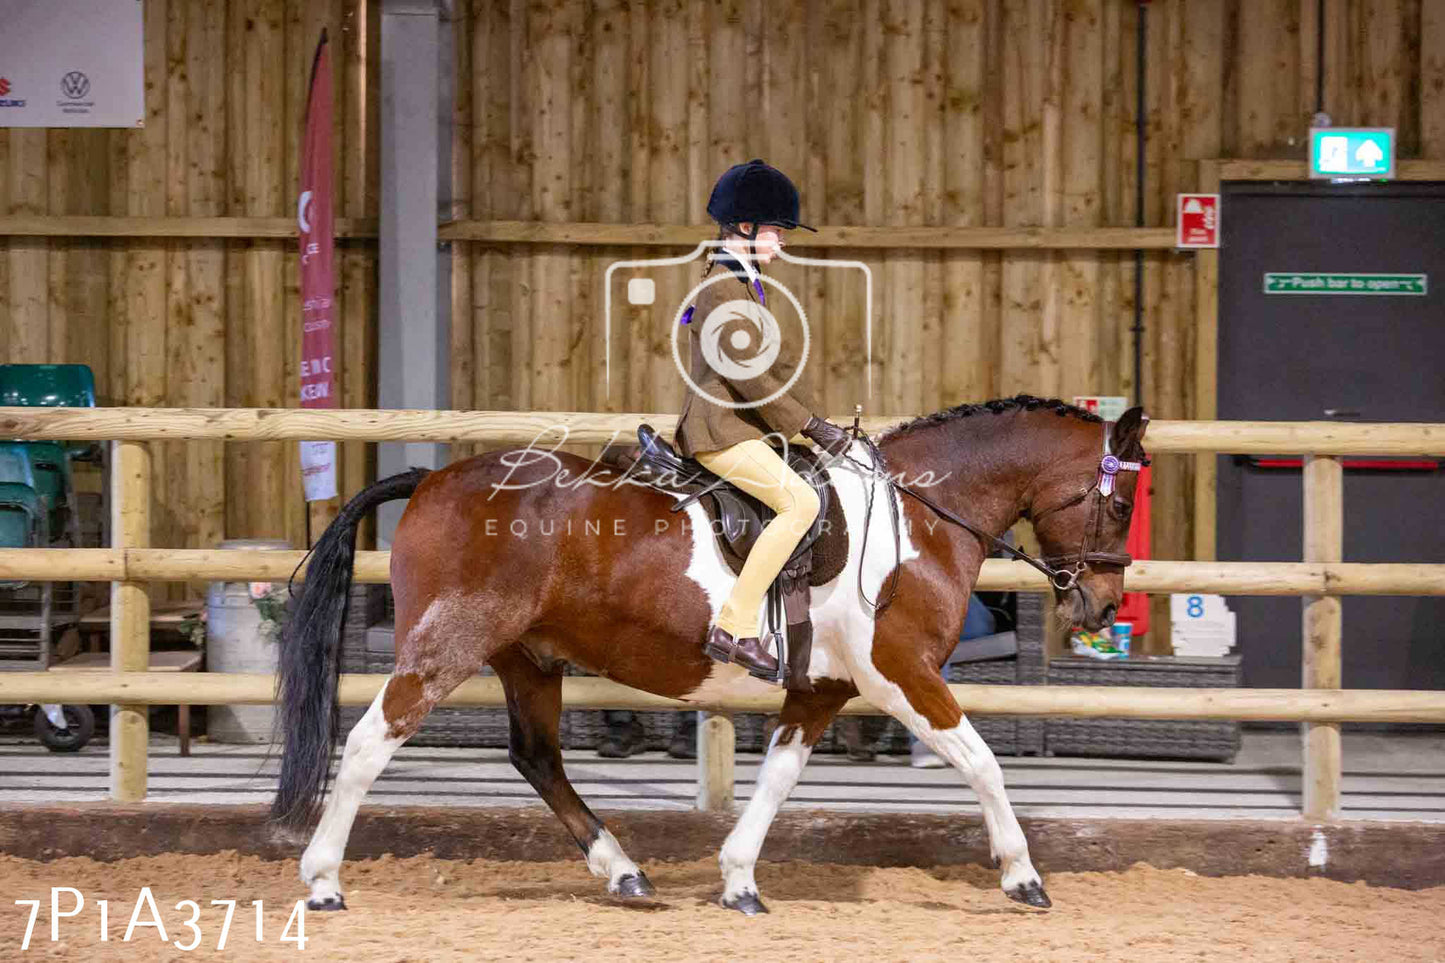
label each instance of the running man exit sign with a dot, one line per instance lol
(1352, 152)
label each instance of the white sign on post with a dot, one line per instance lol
(1108, 407)
(71, 63)
(1201, 625)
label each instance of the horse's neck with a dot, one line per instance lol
(985, 472)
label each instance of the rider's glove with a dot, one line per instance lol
(827, 436)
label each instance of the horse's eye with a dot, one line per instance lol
(1121, 509)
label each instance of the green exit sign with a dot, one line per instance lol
(1352, 152)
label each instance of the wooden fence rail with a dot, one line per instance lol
(1278, 705)
(549, 427)
(997, 575)
(1320, 580)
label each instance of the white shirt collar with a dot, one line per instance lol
(744, 260)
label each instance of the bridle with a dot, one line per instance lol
(1062, 571)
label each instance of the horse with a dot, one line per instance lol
(525, 560)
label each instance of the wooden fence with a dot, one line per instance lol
(1320, 579)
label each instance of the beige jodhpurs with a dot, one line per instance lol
(756, 468)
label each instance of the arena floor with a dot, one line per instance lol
(1394, 776)
(426, 909)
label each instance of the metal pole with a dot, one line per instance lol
(412, 342)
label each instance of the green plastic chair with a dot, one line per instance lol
(47, 385)
(21, 507)
(16, 468)
(20, 521)
(50, 386)
(50, 465)
(20, 510)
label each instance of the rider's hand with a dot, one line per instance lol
(827, 436)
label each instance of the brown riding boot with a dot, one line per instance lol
(750, 653)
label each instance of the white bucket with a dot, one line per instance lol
(235, 643)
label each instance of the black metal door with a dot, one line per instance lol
(1301, 357)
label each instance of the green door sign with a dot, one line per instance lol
(1352, 152)
(1291, 282)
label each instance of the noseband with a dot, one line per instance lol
(1062, 571)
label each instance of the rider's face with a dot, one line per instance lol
(767, 245)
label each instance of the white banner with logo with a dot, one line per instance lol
(71, 63)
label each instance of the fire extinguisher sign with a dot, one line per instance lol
(1198, 220)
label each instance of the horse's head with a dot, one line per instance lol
(1081, 510)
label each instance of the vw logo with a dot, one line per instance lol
(75, 85)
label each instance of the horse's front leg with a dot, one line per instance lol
(918, 697)
(804, 719)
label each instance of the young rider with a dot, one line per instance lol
(753, 204)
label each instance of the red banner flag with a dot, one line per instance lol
(314, 222)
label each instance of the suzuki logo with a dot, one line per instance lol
(4, 86)
(75, 85)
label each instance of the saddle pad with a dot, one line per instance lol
(830, 551)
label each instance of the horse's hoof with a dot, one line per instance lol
(635, 884)
(747, 904)
(1030, 894)
(328, 904)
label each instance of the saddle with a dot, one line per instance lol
(737, 519)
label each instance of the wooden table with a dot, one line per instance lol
(182, 660)
(165, 617)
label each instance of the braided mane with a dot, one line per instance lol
(996, 407)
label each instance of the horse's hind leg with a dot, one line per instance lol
(804, 718)
(394, 717)
(368, 749)
(534, 707)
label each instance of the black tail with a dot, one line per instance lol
(308, 713)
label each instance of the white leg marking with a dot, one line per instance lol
(966, 751)
(776, 779)
(367, 752)
(970, 755)
(606, 858)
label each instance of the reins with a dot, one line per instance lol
(1062, 579)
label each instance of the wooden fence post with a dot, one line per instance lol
(716, 746)
(1323, 542)
(130, 617)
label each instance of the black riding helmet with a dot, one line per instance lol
(755, 192)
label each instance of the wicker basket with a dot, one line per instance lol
(1145, 738)
(365, 608)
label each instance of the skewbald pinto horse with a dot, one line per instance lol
(523, 562)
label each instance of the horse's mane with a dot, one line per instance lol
(996, 407)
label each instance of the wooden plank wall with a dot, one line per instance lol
(203, 322)
(886, 112)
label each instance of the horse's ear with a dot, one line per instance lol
(1128, 438)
